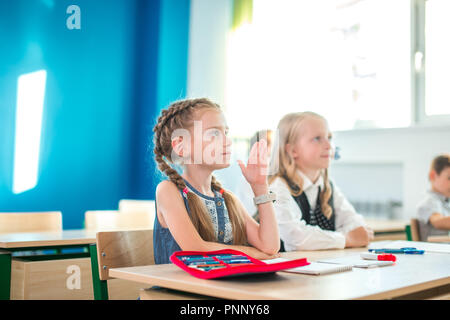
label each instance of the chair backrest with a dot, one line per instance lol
(116, 249)
(11, 222)
(130, 206)
(415, 235)
(109, 220)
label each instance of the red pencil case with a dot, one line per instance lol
(227, 263)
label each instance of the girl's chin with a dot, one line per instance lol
(322, 166)
(214, 164)
(221, 165)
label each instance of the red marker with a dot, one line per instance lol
(380, 257)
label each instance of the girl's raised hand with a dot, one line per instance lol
(256, 170)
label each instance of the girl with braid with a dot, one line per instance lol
(311, 211)
(194, 212)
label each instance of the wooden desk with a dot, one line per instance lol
(27, 240)
(387, 229)
(13, 242)
(412, 274)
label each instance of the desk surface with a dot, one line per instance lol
(411, 273)
(42, 239)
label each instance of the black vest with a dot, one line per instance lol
(314, 217)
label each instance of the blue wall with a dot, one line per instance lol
(169, 60)
(102, 94)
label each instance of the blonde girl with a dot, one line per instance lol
(194, 211)
(311, 211)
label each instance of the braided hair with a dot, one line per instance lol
(180, 114)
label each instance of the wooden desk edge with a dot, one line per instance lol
(438, 239)
(415, 288)
(381, 225)
(45, 243)
(186, 286)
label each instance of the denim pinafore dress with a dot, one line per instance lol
(163, 242)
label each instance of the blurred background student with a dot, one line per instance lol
(312, 212)
(433, 212)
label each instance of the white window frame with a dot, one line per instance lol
(418, 114)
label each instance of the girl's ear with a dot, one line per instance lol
(177, 146)
(290, 150)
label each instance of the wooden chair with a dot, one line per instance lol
(133, 206)
(117, 249)
(128, 205)
(412, 230)
(11, 222)
(415, 235)
(109, 220)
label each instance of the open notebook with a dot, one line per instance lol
(314, 268)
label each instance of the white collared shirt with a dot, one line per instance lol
(294, 231)
(434, 202)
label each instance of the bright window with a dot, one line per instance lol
(30, 104)
(347, 60)
(437, 53)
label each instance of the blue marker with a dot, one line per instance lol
(398, 251)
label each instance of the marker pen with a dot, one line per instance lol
(380, 257)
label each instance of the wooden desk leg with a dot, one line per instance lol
(5, 276)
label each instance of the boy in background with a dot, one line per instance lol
(433, 212)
